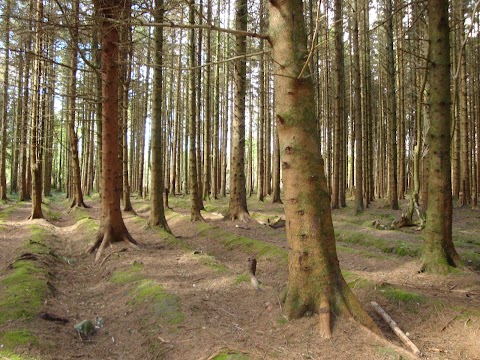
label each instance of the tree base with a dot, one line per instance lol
(107, 236)
(242, 215)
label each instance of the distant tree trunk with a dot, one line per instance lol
(238, 198)
(195, 196)
(392, 110)
(261, 122)
(216, 119)
(126, 39)
(225, 118)
(339, 98)
(157, 212)
(35, 138)
(315, 281)
(112, 228)
(439, 251)
(77, 194)
(18, 127)
(276, 169)
(98, 107)
(207, 163)
(3, 149)
(359, 207)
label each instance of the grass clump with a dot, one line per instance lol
(398, 295)
(13, 338)
(165, 306)
(242, 278)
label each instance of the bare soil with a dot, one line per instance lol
(208, 309)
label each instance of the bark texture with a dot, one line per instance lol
(315, 281)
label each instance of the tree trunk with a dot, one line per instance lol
(315, 281)
(112, 227)
(77, 194)
(238, 198)
(157, 211)
(439, 252)
(195, 196)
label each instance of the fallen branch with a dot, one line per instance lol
(115, 252)
(451, 320)
(393, 325)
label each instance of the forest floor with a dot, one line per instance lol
(190, 297)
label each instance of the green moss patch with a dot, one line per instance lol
(164, 306)
(242, 278)
(13, 338)
(245, 244)
(128, 276)
(398, 295)
(23, 291)
(387, 246)
(231, 356)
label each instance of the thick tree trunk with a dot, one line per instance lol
(112, 228)
(439, 252)
(315, 281)
(238, 198)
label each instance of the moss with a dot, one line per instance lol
(128, 276)
(80, 214)
(8, 355)
(5, 213)
(13, 338)
(231, 356)
(23, 291)
(387, 353)
(282, 321)
(385, 245)
(165, 306)
(471, 259)
(241, 279)
(398, 295)
(53, 215)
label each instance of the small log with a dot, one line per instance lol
(393, 325)
(252, 269)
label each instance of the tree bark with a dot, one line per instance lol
(315, 281)
(238, 198)
(112, 228)
(439, 252)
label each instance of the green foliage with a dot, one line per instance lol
(165, 306)
(13, 338)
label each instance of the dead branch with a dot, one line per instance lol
(393, 325)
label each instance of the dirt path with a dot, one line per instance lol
(189, 297)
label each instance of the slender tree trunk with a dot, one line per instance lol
(157, 212)
(315, 280)
(195, 197)
(77, 194)
(238, 198)
(359, 207)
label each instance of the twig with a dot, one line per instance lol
(115, 252)
(452, 319)
(393, 325)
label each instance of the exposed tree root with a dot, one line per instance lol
(241, 215)
(107, 237)
(79, 204)
(341, 299)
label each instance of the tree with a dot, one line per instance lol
(315, 281)
(195, 196)
(439, 252)
(157, 212)
(237, 208)
(77, 195)
(112, 228)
